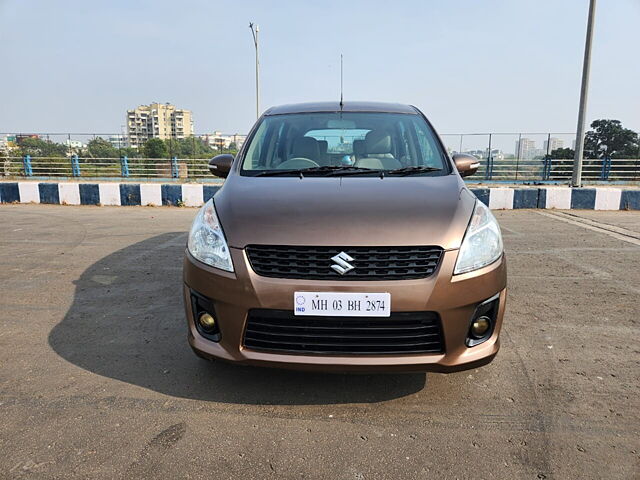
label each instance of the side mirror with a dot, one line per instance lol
(220, 165)
(466, 164)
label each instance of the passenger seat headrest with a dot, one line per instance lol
(324, 146)
(377, 142)
(358, 148)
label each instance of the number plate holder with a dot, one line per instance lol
(342, 304)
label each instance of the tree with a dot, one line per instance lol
(36, 147)
(155, 148)
(562, 153)
(610, 138)
(129, 152)
(100, 148)
(192, 147)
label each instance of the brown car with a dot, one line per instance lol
(344, 239)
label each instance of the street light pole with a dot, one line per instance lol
(254, 31)
(576, 179)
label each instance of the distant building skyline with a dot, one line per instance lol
(220, 140)
(73, 143)
(496, 153)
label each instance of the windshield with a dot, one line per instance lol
(358, 141)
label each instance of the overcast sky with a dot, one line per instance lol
(471, 66)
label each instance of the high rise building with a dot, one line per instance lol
(158, 120)
(553, 144)
(525, 148)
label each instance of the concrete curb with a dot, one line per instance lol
(120, 194)
(194, 194)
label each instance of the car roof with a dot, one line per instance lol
(346, 107)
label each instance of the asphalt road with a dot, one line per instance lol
(97, 379)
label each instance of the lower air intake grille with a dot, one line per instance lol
(401, 333)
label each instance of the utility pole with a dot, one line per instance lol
(254, 32)
(576, 179)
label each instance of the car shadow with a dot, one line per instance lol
(127, 322)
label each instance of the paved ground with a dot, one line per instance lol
(97, 380)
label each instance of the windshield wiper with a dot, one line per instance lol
(351, 170)
(412, 169)
(269, 173)
(329, 170)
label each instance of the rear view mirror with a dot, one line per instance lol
(341, 124)
(220, 165)
(466, 164)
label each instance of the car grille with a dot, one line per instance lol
(371, 263)
(401, 333)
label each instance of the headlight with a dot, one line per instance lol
(482, 244)
(206, 240)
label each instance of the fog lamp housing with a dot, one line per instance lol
(204, 317)
(480, 326)
(207, 322)
(483, 321)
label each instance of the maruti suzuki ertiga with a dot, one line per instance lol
(345, 239)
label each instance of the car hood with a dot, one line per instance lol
(344, 211)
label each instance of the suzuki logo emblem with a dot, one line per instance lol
(342, 264)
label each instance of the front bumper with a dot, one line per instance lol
(453, 298)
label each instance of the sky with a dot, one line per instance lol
(469, 65)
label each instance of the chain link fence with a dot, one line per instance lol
(533, 157)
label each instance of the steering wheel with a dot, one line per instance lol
(297, 163)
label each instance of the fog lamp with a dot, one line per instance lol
(480, 326)
(207, 322)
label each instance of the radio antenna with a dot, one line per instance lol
(341, 102)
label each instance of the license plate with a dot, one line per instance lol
(338, 304)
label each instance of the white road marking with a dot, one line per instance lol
(614, 232)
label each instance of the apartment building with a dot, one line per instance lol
(553, 144)
(157, 120)
(526, 148)
(117, 141)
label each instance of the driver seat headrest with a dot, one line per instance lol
(305, 147)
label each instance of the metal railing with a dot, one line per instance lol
(77, 167)
(557, 170)
(197, 169)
